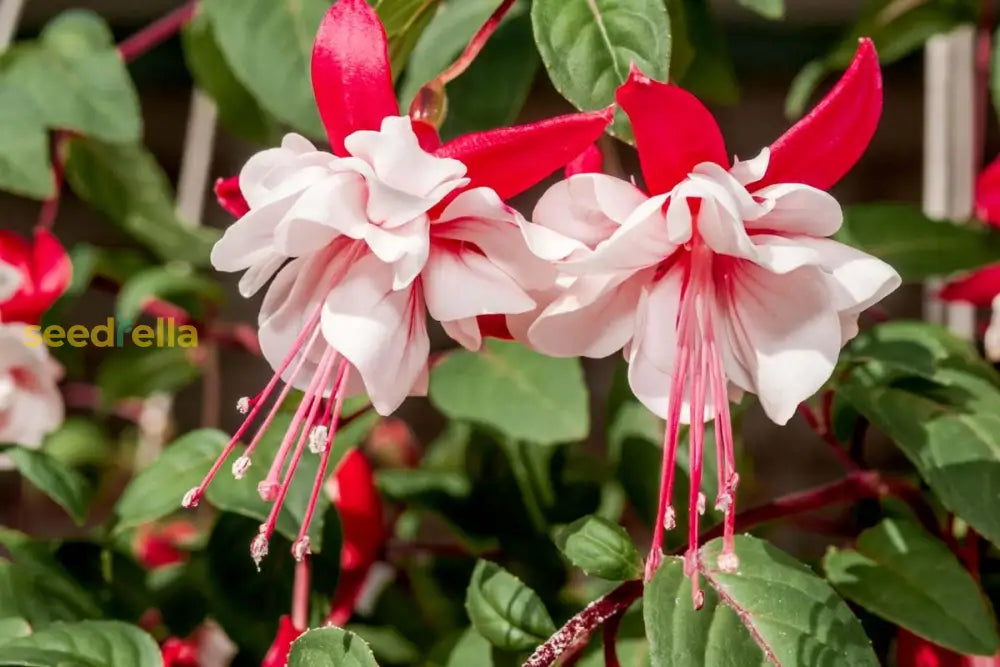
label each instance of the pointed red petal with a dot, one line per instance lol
(360, 510)
(227, 192)
(52, 267)
(427, 135)
(45, 270)
(277, 654)
(350, 72)
(825, 144)
(988, 194)
(590, 161)
(978, 288)
(673, 130)
(512, 159)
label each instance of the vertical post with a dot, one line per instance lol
(10, 14)
(949, 151)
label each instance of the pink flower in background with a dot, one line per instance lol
(915, 651)
(159, 546)
(32, 275)
(31, 405)
(719, 279)
(364, 241)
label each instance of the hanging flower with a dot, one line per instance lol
(160, 546)
(30, 403)
(32, 275)
(364, 241)
(277, 654)
(981, 288)
(719, 279)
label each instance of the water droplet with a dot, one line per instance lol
(300, 549)
(317, 439)
(240, 466)
(191, 499)
(243, 405)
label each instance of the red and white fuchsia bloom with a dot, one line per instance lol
(32, 277)
(366, 240)
(718, 280)
(981, 288)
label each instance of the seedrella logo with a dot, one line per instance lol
(165, 332)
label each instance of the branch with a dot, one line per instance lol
(610, 640)
(156, 32)
(583, 624)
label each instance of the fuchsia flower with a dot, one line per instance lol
(364, 241)
(718, 279)
(32, 275)
(981, 288)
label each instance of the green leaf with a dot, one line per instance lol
(387, 643)
(588, 45)
(126, 184)
(600, 548)
(24, 146)
(78, 441)
(505, 611)
(137, 372)
(13, 627)
(238, 110)
(98, 643)
(268, 45)
(77, 80)
(29, 656)
(404, 22)
(950, 430)
(494, 89)
(769, 9)
(240, 495)
(544, 399)
(907, 576)
(68, 488)
(330, 647)
(916, 246)
(774, 610)
(157, 490)
(177, 284)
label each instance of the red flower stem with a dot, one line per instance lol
(823, 430)
(610, 640)
(300, 596)
(50, 207)
(156, 32)
(856, 486)
(474, 47)
(583, 624)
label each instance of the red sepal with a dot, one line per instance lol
(674, 131)
(229, 196)
(277, 654)
(590, 161)
(45, 270)
(512, 159)
(978, 288)
(351, 76)
(826, 143)
(988, 194)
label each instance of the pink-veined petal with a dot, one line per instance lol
(988, 194)
(227, 193)
(590, 161)
(798, 209)
(382, 332)
(653, 350)
(978, 288)
(673, 131)
(593, 317)
(351, 77)
(790, 335)
(587, 207)
(825, 144)
(510, 160)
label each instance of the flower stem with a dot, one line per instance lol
(822, 428)
(475, 45)
(610, 636)
(156, 32)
